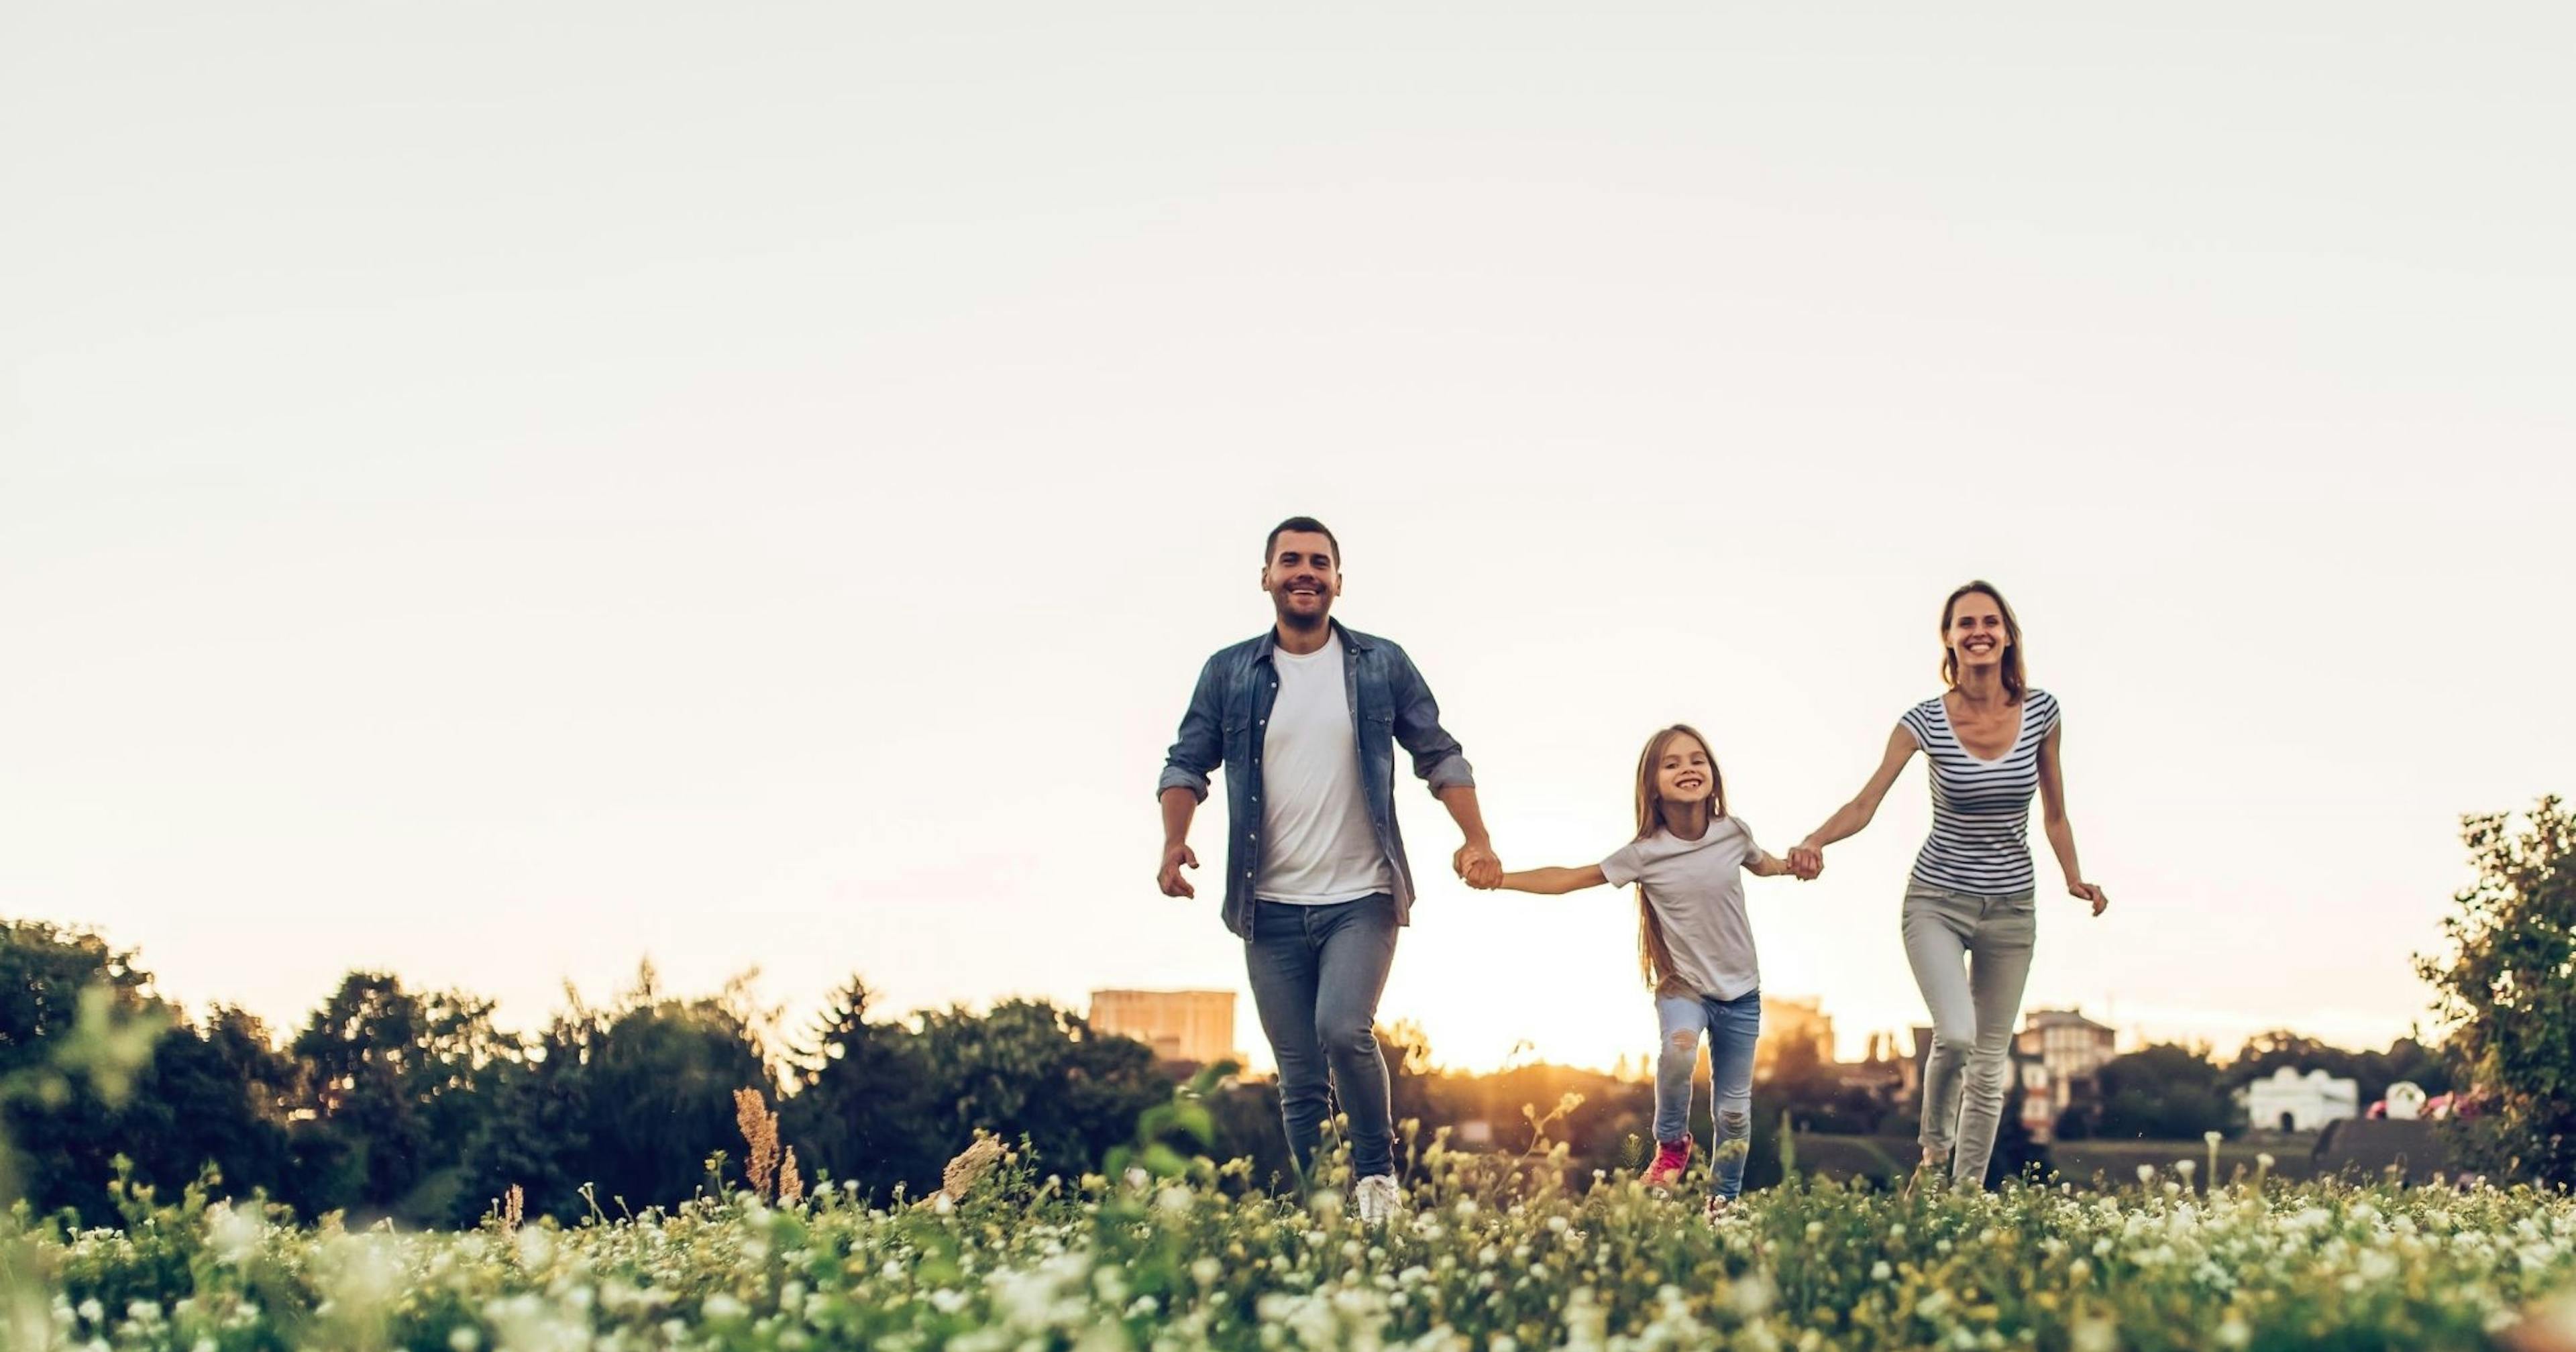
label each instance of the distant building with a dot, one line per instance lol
(2070, 1048)
(1910, 1075)
(1789, 1019)
(2056, 1058)
(1881, 1072)
(2290, 1101)
(2034, 1093)
(1179, 1025)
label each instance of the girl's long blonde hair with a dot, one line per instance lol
(1654, 958)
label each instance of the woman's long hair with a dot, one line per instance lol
(2014, 681)
(1654, 958)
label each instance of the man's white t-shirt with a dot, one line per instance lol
(1317, 847)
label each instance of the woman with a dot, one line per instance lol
(1990, 740)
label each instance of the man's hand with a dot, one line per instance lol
(2088, 892)
(1170, 879)
(1476, 864)
(1806, 861)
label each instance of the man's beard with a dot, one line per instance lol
(1300, 623)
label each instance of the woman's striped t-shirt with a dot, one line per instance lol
(1980, 842)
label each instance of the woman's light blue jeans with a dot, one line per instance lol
(1972, 1014)
(1733, 1028)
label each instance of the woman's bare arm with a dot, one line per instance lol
(2061, 832)
(1847, 821)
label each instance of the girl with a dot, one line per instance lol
(1991, 740)
(1696, 949)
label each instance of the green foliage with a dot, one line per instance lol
(625, 1102)
(1029, 1069)
(1167, 1129)
(395, 1082)
(2371, 1072)
(1480, 1258)
(78, 1028)
(1811, 1091)
(46, 971)
(861, 1110)
(2508, 989)
(2162, 1092)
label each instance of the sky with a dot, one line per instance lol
(501, 493)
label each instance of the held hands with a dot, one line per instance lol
(1169, 877)
(2088, 892)
(1806, 861)
(1477, 865)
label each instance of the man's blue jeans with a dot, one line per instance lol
(1734, 1027)
(1317, 972)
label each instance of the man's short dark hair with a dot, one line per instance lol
(1307, 524)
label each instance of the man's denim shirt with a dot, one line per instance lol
(1229, 719)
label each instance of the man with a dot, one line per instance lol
(1304, 718)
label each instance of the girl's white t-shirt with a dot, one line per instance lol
(1697, 890)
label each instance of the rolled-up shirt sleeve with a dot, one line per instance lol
(1200, 748)
(1437, 758)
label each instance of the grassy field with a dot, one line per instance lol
(1491, 1253)
(1888, 1158)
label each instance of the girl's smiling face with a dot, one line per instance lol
(1684, 772)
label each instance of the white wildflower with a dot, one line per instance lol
(233, 1235)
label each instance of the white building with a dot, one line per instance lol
(2290, 1101)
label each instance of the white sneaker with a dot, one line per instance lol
(1375, 1198)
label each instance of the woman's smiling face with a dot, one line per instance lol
(1976, 635)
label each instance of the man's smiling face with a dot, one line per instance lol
(1302, 577)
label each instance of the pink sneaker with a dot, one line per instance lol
(1671, 1159)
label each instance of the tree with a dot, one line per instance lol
(658, 1086)
(536, 1132)
(2371, 1072)
(861, 1102)
(391, 1079)
(214, 1095)
(2164, 1092)
(43, 970)
(79, 1029)
(1029, 1068)
(1804, 1085)
(2508, 990)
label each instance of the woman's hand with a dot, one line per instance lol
(2088, 892)
(1806, 861)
